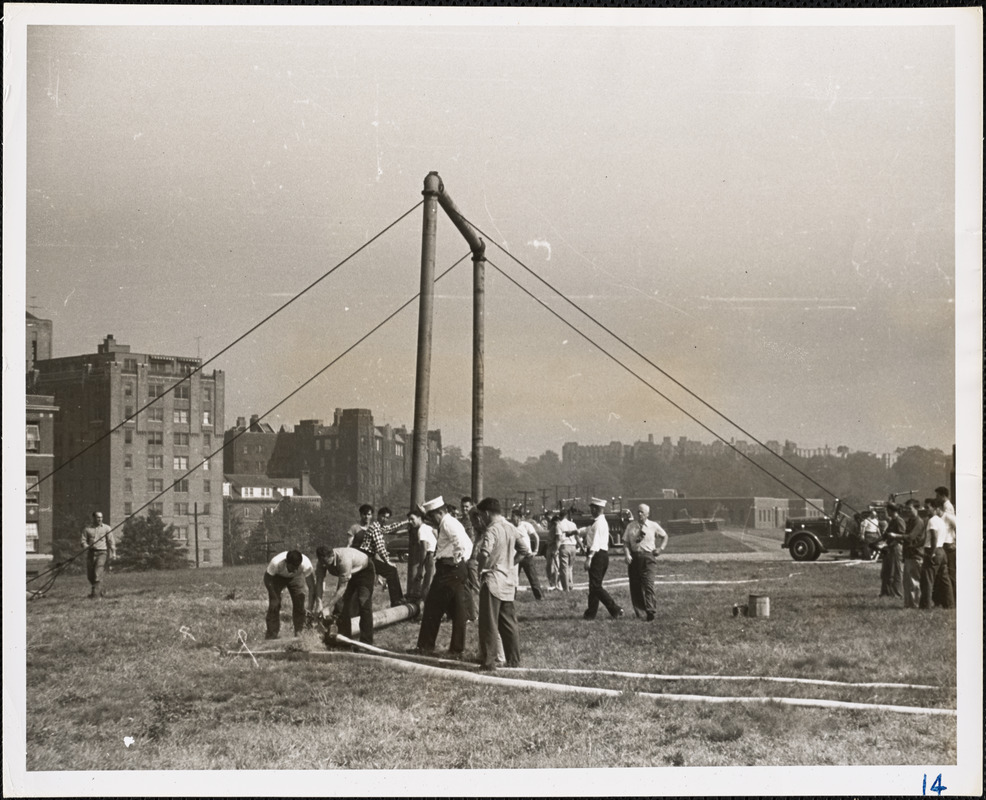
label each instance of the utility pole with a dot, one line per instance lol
(426, 303)
(196, 524)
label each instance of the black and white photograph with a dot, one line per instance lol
(435, 401)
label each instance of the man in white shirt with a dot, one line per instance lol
(597, 561)
(519, 519)
(942, 494)
(641, 550)
(935, 585)
(293, 571)
(948, 545)
(566, 533)
(448, 593)
(502, 546)
(354, 592)
(421, 567)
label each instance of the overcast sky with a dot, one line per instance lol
(766, 213)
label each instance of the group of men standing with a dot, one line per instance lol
(919, 563)
(464, 571)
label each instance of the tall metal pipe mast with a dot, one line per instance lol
(434, 193)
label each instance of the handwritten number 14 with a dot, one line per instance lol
(936, 787)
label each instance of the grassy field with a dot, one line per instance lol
(156, 662)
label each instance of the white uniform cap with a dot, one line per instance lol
(433, 505)
(595, 501)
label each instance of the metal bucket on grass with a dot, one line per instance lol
(758, 606)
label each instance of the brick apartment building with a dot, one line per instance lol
(352, 458)
(123, 472)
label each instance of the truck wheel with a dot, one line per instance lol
(802, 549)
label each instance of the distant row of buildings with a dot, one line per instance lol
(126, 433)
(616, 454)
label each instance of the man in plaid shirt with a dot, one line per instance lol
(374, 545)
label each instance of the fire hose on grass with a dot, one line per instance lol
(467, 673)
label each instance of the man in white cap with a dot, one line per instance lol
(597, 561)
(449, 589)
(641, 550)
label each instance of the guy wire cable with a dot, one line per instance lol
(655, 366)
(653, 388)
(58, 568)
(228, 347)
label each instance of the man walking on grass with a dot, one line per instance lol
(597, 561)
(100, 546)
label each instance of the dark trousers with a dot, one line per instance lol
(357, 600)
(472, 585)
(935, 586)
(532, 576)
(892, 572)
(497, 616)
(447, 595)
(597, 594)
(950, 568)
(389, 572)
(296, 588)
(641, 572)
(95, 567)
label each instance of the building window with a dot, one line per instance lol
(207, 394)
(155, 462)
(128, 412)
(181, 416)
(207, 487)
(182, 486)
(32, 537)
(155, 485)
(180, 532)
(128, 485)
(181, 463)
(206, 532)
(205, 465)
(155, 389)
(32, 492)
(130, 365)
(128, 436)
(154, 437)
(182, 391)
(128, 389)
(155, 414)
(128, 461)
(207, 508)
(181, 439)
(33, 439)
(207, 418)
(128, 508)
(378, 444)
(181, 509)
(399, 450)
(206, 556)
(157, 507)
(207, 440)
